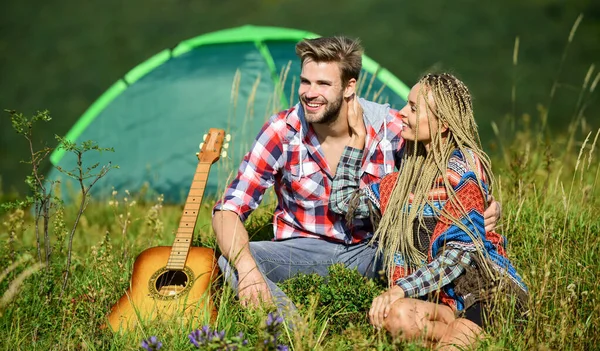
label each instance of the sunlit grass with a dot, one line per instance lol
(548, 185)
(550, 200)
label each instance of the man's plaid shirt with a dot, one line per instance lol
(287, 155)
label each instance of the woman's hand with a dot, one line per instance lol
(356, 124)
(381, 305)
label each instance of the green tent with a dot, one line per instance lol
(155, 116)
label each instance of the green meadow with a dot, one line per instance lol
(61, 272)
(547, 184)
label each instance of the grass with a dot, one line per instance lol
(550, 198)
(548, 184)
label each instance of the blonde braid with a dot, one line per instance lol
(421, 168)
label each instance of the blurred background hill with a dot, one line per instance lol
(62, 55)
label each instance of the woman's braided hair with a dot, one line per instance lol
(421, 168)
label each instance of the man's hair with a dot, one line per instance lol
(342, 50)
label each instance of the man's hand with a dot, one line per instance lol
(252, 288)
(492, 214)
(233, 241)
(356, 124)
(380, 308)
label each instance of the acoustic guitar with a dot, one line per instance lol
(174, 282)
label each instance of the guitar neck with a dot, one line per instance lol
(187, 224)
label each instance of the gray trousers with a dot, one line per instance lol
(281, 260)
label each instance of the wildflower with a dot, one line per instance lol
(214, 340)
(219, 336)
(243, 341)
(197, 337)
(274, 320)
(272, 331)
(151, 344)
(204, 336)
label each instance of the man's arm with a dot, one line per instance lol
(233, 240)
(244, 194)
(347, 176)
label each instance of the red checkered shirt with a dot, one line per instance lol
(287, 154)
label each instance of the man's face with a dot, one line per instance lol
(321, 91)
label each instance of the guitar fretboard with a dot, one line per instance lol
(185, 232)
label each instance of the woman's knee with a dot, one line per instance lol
(462, 334)
(402, 320)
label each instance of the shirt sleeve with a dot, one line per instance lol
(257, 171)
(437, 274)
(346, 184)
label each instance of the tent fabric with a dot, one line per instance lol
(155, 116)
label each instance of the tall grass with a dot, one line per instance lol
(550, 193)
(550, 197)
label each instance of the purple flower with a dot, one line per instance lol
(151, 344)
(201, 337)
(219, 336)
(273, 320)
(195, 338)
(215, 340)
(241, 338)
(273, 330)
(206, 330)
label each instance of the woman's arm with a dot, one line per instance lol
(345, 186)
(438, 273)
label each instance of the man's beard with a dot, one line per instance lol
(331, 113)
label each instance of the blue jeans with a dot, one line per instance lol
(281, 260)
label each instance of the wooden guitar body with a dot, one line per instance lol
(159, 293)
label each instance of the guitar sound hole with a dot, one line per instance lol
(171, 283)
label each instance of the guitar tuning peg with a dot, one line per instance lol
(201, 146)
(228, 137)
(204, 136)
(197, 153)
(224, 154)
(226, 146)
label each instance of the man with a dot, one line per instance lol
(297, 151)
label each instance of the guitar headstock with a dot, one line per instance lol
(210, 148)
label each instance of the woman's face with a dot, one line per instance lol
(410, 119)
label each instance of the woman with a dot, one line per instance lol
(445, 271)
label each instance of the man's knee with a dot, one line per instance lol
(223, 264)
(228, 272)
(227, 263)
